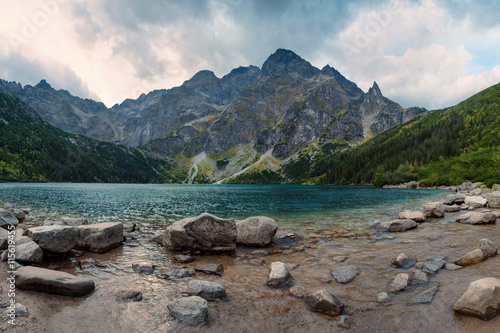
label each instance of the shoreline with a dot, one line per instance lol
(250, 301)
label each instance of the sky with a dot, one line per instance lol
(428, 53)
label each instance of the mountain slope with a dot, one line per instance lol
(446, 147)
(32, 150)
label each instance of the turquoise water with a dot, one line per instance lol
(293, 206)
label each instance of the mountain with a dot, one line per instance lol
(447, 147)
(251, 119)
(32, 150)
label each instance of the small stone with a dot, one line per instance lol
(86, 263)
(400, 282)
(345, 274)
(259, 253)
(452, 267)
(175, 274)
(298, 292)
(183, 259)
(489, 248)
(425, 296)
(216, 269)
(129, 295)
(75, 253)
(419, 277)
(416, 216)
(383, 297)
(191, 310)
(144, 268)
(404, 261)
(21, 310)
(340, 258)
(345, 321)
(433, 266)
(279, 276)
(207, 290)
(323, 301)
(74, 221)
(471, 258)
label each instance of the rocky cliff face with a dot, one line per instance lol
(284, 106)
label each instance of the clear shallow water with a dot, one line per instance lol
(292, 206)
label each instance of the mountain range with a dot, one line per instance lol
(254, 124)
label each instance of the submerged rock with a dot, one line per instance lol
(425, 296)
(216, 269)
(55, 239)
(323, 301)
(205, 232)
(207, 290)
(416, 216)
(432, 266)
(74, 221)
(256, 231)
(396, 226)
(345, 274)
(101, 237)
(433, 209)
(279, 276)
(471, 258)
(175, 274)
(191, 310)
(129, 295)
(52, 282)
(481, 299)
(477, 218)
(144, 268)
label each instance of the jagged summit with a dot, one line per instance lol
(43, 85)
(284, 62)
(375, 90)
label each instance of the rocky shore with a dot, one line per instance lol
(206, 273)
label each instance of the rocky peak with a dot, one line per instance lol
(283, 62)
(349, 86)
(375, 90)
(43, 85)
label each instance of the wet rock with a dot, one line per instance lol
(256, 231)
(74, 221)
(7, 218)
(52, 282)
(129, 295)
(418, 277)
(183, 259)
(457, 198)
(259, 253)
(475, 201)
(425, 296)
(205, 232)
(100, 238)
(345, 274)
(298, 292)
(404, 261)
(86, 263)
(175, 274)
(489, 248)
(283, 238)
(55, 239)
(481, 299)
(4, 239)
(433, 209)
(28, 251)
(279, 276)
(396, 226)
(207, 290)
(19, 214)
(191, 310)
(383, 297)
(75, 253)
(416, 216)
(400, 282)
(471, 258)
(477, 218)
(451, 267)
(452, 209)
(493, 199)
(346, 321)
(144, 268)
(216, 269)
(432, 266)
(323, 301)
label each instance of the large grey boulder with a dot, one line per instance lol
(433, 209)
(55, 239)
(191, 310)
(488, 247)
(481, 299)
(19, 214)
(205, 232)
(7, 218)
(475, 201)
(256, 231)
(493, 199)
(345, 274)
(396, 226)
(279, 276)
(324, 301)
(477, 218)
(28, 251)
(457, 198)
(100, 237)
(414, 215)
(207, 290)
(52, 282)
(74, 221)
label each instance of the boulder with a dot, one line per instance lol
(7, 218)
(55, 239)
(183, 259)
(452, 209)
(256, 231)
(279, 276)
(471, 258)
(475, 201)
(345, 274)
(28, 251)
(489, 248)
(52, 282)
(481, 299)
(414, 215)
(74, 221)
(191, 310)
(19, 214)
(100, 237)
(495, 187)
(404, 261)
(493, 199)
(207, 290)
(216, 269)
(396, 226)
(323, 301)
(129, 295)
(144, 268)
(457, 198)
(400, 282)
(477, 218)
(4, 239)
(433, 209)
(204, 233)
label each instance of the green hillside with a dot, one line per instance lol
(31, 150)
(446, 147)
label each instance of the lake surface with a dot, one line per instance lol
(293, 206)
